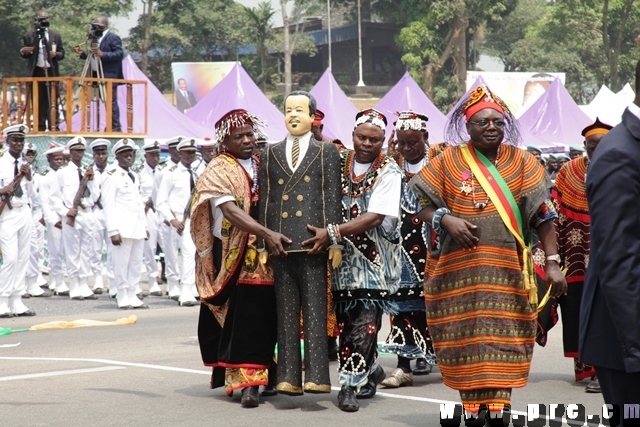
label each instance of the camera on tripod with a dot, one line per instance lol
(95, 31)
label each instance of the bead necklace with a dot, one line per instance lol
(481, 205)
(405, 164)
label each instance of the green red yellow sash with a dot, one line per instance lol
(499, 193)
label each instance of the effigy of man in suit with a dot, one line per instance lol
(300, 187)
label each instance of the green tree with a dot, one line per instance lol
(261, 32)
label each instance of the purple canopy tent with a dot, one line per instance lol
(164, 120)
(554, 119)
(237, 90)
(407, 95)
(340, 113)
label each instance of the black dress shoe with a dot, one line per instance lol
(368, 390)
(156, 293)
(126, 307)
(61, 294)
(26, 295)
(92, 296)
(141, 307)
(422, 367)
(98, 291)
(6, 315)
(78, 298)
(347, 400)
(175, 297)
(28, 313)
(250, 397)
(269, 390)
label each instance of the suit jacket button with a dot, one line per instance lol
(298, 214)
(281, 181)
(307, 178)
(285, 197)
(300, 198)
(285, 215)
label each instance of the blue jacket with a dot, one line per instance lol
(112, 55)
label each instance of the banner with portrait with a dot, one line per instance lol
(193, 80)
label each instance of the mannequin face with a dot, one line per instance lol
(296, 113)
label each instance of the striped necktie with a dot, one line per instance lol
(295, 152)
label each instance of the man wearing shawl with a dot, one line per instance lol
(369, 271)
(483, 196)
(573, 227)
(237, 325)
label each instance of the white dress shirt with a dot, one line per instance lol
(123, 204)
(304, 145)
(147, 176)
(385, 199)
(66, 187)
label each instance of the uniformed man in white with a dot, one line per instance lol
(15, 223)
(101, 239)
(126, 223)
(53, 221)
(173, 203)
(36, 258)
(164, 228)
(208, 150)
(146, 174)
(77, 238)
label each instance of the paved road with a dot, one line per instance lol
(150, 373)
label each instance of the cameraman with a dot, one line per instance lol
(43, 48)
(110, 52)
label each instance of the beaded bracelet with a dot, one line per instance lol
(332, 234)
(338, 235)
(437, 217)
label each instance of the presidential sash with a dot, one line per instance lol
(499, 193)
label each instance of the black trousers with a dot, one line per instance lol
(43, 99)
(620, 388)
(115, 110)
(301, 283)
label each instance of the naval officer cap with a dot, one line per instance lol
(123, 145)
(77, 143)
(206, 142)
(151, 146)
(187, 144)
(172, 142)
(54, 149)
(100, 144)
(15, 130)
(29, 146)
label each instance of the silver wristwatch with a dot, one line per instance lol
(555, 258)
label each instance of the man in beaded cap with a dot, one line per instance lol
(409, 338)
(369, 272)
(300, 187)
(237, 325)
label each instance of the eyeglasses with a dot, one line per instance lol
(483, 124)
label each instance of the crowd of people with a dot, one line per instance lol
(460, 243)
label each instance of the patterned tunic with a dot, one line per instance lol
(480, 319)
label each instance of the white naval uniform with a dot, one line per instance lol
(77, 240)
(100, 240)
(15, 239)
(164, 232)
(173, 196)
(124, 213)
(199, 166)
(36, 258)
(147, 177)
(54, 235)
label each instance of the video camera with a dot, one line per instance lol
(95, 31)
(41, 24)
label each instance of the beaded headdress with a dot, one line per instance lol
(480, 99)
(234, 119)
(410, 120)
(372, 116)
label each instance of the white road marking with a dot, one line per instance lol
(59, 373)
(119, 365)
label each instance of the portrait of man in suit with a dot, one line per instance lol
(110, 53)
(43, 49)
(184, 98)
